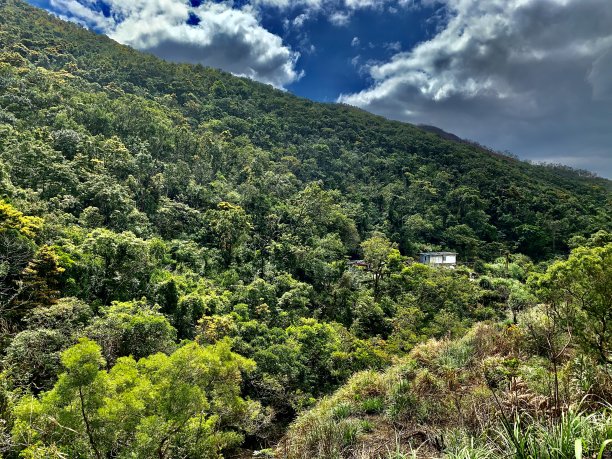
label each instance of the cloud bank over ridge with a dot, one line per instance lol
(532, 76)
(226, 34)
(214, 34)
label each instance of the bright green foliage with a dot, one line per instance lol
(515, 266)
(131, 329)
(581, 288)
(519, 299)
(185, 404)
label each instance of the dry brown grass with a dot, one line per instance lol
(442, 386)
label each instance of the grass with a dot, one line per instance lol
(342, 411)
(441, 387)
(574, 435)
(470, 450)
(373, 405)
(574, 432)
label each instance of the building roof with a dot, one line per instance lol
(435, 254)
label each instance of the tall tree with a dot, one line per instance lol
(377, 253)
(583, 286)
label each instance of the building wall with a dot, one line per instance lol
(439, 259)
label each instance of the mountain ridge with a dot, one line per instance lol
(114, 44)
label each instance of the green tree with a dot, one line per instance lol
(133, 328)
(187, 404)
(581, 287)
(41, 280)
(70, 412)
(17, 247)
(113, 266)
(377, 253)
(519, 299)
(229, 226)
(369, 317)
(32, 359)
(68, 315)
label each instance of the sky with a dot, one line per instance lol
(531, 77)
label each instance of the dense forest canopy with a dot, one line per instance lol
(201, 126)
(175, 276)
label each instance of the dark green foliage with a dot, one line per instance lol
(131, 329)
(33, 358)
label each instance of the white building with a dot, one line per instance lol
(445, 259)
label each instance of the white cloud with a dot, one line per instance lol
(338, 12)
(340, 18)
(395, 46)
(333, 4)
(532, 76)
(355, 42)
(361, 4)
(228, 38)
(300, 19)
(285, 4)
(83, 14)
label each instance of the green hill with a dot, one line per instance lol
(416, 187)
(175, 246)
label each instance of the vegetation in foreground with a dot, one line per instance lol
(174, 275)
(537, 388)
(485, 395)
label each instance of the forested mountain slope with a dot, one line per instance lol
(200, 126)
(175, 243)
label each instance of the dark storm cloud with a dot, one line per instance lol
(531, 76)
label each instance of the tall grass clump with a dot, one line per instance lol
(573, 432)
(333, 428)
(573, 435)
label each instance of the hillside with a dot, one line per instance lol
(408, 183)
(483, 395)
(175, 244)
